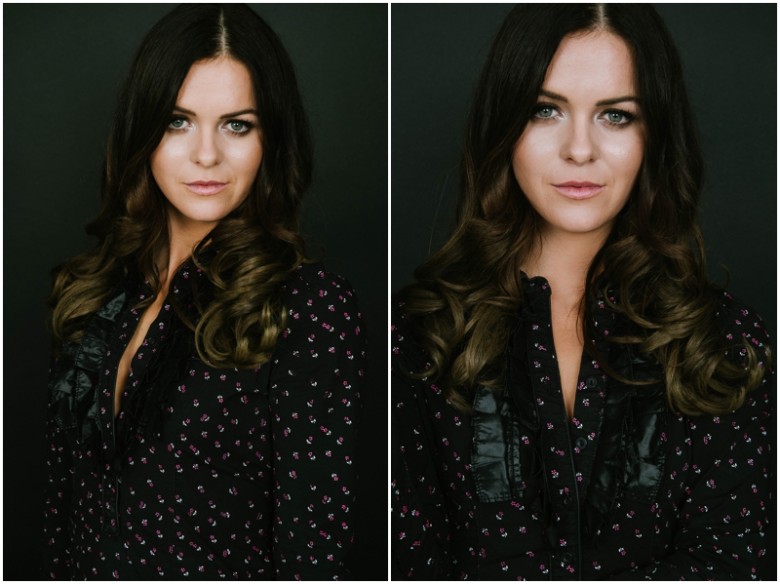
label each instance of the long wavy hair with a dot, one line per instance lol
(462, 303)
(258, 243)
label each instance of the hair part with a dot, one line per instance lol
(223, 36)
(259, 242)
(467, 294)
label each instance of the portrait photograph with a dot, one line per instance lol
(231, 164)
(584, 267)
(390, 291)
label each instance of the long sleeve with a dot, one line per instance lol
(725, 523)
(725, 527)
(315, 388)
(57, 501)
(418, 519)
(419, 524)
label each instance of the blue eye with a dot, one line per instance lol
(618, 117)
(239, 126)
(177, 124)
(544, 111)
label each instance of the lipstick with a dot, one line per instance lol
(578, 190)
(205, 187)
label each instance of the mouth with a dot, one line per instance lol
(578, 190)
(205, 187)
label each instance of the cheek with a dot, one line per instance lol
(246, 159)
(532, 155)
(626, 156)
(520, 159)
(167, 159)
(159, 165)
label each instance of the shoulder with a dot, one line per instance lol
(320, 305)
(743, 327)
(748, 427)
(407, 359)
(312, 287)
(398, 320)
(741, 324)
(400, 333)
(408, 355)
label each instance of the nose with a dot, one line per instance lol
(205, 149)
(579, 146)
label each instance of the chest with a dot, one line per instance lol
(521, 478)
(568, 343)
(175, 409)
(148, 317)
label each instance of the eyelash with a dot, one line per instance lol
(628, 116)
(247, 126)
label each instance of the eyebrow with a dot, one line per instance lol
(610, 101)
(222, 117)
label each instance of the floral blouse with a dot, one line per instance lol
(624, 490)
(206, 473)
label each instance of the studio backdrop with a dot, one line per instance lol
(729, 56)
(63, 68)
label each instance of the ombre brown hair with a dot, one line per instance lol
(467, 294)
(258, 243)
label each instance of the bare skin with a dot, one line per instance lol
(586, 133)
(214, 136)
(148, 317)
(563, 260)
(182, 243)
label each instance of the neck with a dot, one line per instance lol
(182, 239)
(564, 259)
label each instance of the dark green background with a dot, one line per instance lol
(729, 53)
(62, 68)
(63, 65)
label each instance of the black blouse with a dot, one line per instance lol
(623, 490)
(206, 473)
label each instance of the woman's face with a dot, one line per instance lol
(211, 152)
(579, 155)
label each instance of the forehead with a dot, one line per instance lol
(221, 84)
(591, 66)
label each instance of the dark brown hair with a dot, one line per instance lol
(467, 293)
(259, 244)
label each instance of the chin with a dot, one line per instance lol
(194, 217)
(580, 226)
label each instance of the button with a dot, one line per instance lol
(581, 443)
(591, 382)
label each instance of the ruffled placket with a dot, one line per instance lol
(73, 386)
(574, 472)
(157, 370)
(631, 453)
(75, 399)
(82, 389)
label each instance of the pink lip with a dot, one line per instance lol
(206, 187)
(578, 190)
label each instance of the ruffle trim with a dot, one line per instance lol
(73, 387)
(631, 455)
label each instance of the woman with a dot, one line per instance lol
(207, 375)
(572, 398)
